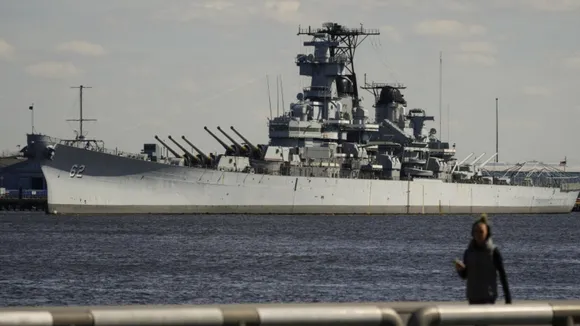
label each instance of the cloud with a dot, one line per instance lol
(6, 50)
(213, 10)
(230, 12)
(476, 58)
(555, 5)
(140, 70)
(369, 4)
(187, 85)
(458, 5)
(543, 5)
(53, 69)
(424, 5)
(218, 5)
(478, 47)
(391, 33)
(451, 28)
(537, 91)
(82, 47)
(479, 52)
(572, 62)
(282, 11)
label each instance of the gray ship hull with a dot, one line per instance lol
(104, 183)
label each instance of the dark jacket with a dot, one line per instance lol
(482, 266)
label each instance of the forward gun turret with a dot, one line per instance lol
(192, 158)
(240, 149)
(256, 151)
(168, 148)
(206, 159)
(229, 149)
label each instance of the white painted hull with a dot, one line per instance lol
(117, 185)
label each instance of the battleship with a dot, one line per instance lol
(325, 155)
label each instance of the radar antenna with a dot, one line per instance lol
(80, 136)
(81, 119)
(375, 88)
(347, 40)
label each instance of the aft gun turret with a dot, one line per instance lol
(192, 158)
(229, 149)
(256, 151)
(207, 159)
(168, 148)
(461, 162)
(241, 150)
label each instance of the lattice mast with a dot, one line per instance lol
(347, 40)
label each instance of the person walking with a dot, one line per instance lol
(482, 262)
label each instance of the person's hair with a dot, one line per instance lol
(481, 220)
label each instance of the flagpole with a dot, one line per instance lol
(31, 108)
(496, 131)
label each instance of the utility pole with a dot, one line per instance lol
(496, 131)
(81, 119)
(448, 123)
(440, 94)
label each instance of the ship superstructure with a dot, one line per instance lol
(328, 133)
(325, 155)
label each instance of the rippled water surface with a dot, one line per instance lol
(48, 260)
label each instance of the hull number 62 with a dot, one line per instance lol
(77, 171)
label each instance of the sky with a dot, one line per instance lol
(170, 67)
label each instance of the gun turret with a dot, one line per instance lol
(461, 162)
(229, 149)
(241, 149)
(192, 159)
(256, 151)
(168, 148)
(206, 158)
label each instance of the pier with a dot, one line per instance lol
(23, 200)
(576, 207)
(556, 312)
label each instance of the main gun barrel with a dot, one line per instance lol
(207, 158)
(254, 148)
(168, 148)
(229, 149)
(240, 149)
(191, 157)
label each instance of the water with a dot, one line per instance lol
(48, 260)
